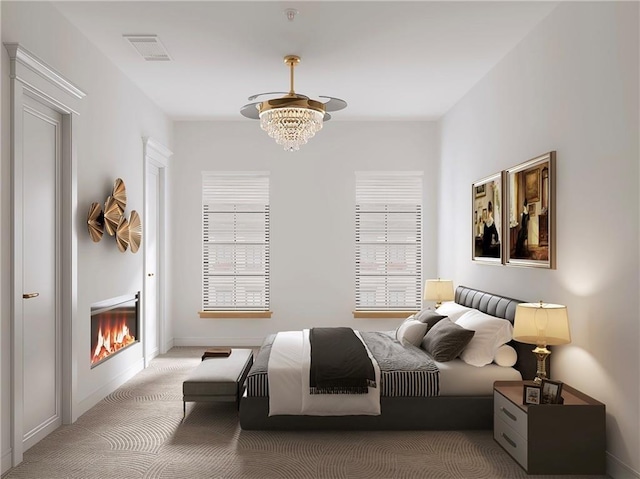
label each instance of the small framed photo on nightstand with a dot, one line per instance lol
(551, 392)
(531, 394)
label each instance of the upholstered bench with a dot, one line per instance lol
(218, 379)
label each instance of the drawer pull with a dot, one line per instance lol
(508, 414)
(509, 440)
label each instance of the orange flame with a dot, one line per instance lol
(114, 338)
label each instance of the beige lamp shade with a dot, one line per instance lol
(542, 324)
(438, 290)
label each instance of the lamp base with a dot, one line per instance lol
(541, 353)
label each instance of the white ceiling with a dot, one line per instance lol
(388, 60)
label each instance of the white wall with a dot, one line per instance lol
(570, 86)
(114, 117)
(312, 218)
(4, 178)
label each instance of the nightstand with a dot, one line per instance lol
(566, 438)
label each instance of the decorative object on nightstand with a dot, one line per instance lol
(438, 290)
(542, 324)
(566, 438)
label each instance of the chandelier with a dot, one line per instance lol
(293, 119)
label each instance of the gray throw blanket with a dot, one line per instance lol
(339, 363)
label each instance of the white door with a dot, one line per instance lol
(41, 372)
(152, 281)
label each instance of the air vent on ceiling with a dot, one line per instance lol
(149, 46)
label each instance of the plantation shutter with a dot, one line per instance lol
(388, 241)
(235, 241)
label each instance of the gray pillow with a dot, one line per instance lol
(429, 317)
(446, 340)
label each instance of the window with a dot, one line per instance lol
(388, 242)
(235, 244)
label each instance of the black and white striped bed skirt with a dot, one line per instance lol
(394, 384)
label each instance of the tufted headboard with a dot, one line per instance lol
(501, 307)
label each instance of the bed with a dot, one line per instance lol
(454, 408)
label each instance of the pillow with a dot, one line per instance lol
(446, 340)
(491, 333)
(429, 317)
(453, 310)
(411, 331)
(505, 356)
(409, 318)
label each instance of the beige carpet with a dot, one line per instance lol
(137, 432)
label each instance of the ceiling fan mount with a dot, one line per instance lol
(291, 99)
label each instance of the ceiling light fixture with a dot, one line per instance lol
(294, 118)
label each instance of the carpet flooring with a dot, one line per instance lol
(138, 432)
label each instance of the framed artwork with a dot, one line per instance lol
(551, 392)
(487, 219)
(531, 394)
(530, 224)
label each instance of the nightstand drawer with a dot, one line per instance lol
(511, 441)
(511, 414)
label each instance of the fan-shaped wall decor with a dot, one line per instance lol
(122, 234)
(135, 231)
(95, 222)
(119, 194)
(128, 232)
(112, 215)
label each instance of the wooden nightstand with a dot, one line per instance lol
(564, 438)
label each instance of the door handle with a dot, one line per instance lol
(150, 274)
(30, 295)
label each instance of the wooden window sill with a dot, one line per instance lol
(382, 314)
(235, 314)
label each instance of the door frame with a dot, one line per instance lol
(30, 76)
(157, 155)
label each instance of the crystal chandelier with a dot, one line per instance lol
(291, 127)
(294, 118)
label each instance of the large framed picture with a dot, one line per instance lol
(530, 213)
(486, 220)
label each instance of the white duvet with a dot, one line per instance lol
(288, 373)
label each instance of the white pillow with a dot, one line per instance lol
(491, 333)
(411, 331)
(505, 356)
(453, 310)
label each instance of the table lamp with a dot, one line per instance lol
(542, 324)
(438, 290)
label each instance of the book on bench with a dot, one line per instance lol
(218, 352)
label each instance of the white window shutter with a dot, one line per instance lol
(388, 241)
(235, 241)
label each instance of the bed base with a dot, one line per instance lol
(397, 413)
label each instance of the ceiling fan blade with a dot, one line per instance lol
(253, 97)
(334, 104)
(326, 117)
(250, 110)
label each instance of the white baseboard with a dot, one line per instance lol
(6, 461)
(98, 395)
(619, 470)
(217, 341)
(168, 345)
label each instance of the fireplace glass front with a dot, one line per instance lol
(114, 327)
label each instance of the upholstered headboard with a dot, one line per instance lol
(501, 307)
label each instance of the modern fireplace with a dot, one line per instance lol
(114, 326)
